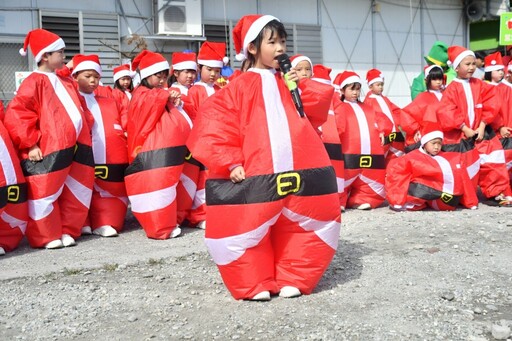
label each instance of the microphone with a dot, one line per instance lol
(285, 65)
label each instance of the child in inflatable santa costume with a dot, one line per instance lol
(272, 205)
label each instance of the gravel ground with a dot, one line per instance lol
(396, 276)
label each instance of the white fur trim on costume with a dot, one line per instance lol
(461, 56)
(211, 63)
(87, 65)
(255, 29)
(188, 65)
(350, 80)
(55, 46)
(155, 68)
(437, 134)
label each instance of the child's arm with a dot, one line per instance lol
(316, 99)
(398, 178)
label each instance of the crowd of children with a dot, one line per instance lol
(236, 154)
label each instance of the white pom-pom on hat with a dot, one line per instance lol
(23, 52)
(225, 60)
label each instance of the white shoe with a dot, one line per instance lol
(67, 240)
(86, 230)
(176, 232)
(54, 244)
(262, 296)
(289, 292)
(2, 251)
(202, 225)
(474, 208)
(364, 206)
(105, 231)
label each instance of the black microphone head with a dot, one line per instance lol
(284, 62)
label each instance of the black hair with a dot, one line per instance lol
(434, 74)
(351, 86)
(118, 86)
(488, 76)
(277, 28)
(480, 55)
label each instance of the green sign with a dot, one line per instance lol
(506, 28)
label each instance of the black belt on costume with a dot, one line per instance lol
(158, 158)
(334, 151)
(190, 159)
(110, 172)
(465, 145)
(356, 161)
(59, 160)
(412, 147)
(506, 142)
(394, 137)
(271, 187)
(13, 194)
(428, 193)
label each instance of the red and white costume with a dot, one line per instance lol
(506, 120)
(418, 179)
(60, 185)
(13, 195)
(157, 133)
(422, 108)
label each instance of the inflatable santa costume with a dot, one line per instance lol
(279, 227)
(419, 179)
(47, 112)
(157, 133)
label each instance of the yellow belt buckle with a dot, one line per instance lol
(13, 193)
(288, 183)
(188, 156)
(392, 137)
(101, 172)
(446, 197)
(365, 161)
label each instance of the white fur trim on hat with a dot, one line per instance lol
(375, 80)
(321, 80)
(87, 65)
(461, 56)
(299, 59)
(55, 46)
(121, 74)
(494, 68)
(430, 68)
(255, 29)
(155, 68)
(187, 65)
(350, 80)
(432, 135)
(210, 63)
(225, 60)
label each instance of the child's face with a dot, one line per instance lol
(436, 84)
(158, 80)
(433, 147)
(55, 59)
(210, 74)
(377, 88)
(88, 81)
(272, 46)
(466, 68)
(185, 77)
(351, 92)
(125, 82)
(304, 69)
(497, 76)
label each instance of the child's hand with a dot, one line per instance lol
(505, 131)
(417, 136)
(35, 154)
(292, 75)
(381, 136)
(237, 174)
(480, 131)
(468, 132)
(175, 97)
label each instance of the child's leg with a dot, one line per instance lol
(198, 211)
(238, 239)
(186, 189)
(108, 207)
(368, 188)
(305, 239)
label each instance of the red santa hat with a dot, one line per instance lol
(322, 74)
(246, 30)
(82, 62)
(429, 68)
(374, 76)
(430, 131)
(212, 54)
(184, 61)
(345, 78)
(493, 62)
(299, 58)
(123, 71)
(40, 42)
(456, 54)
(149, 63)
